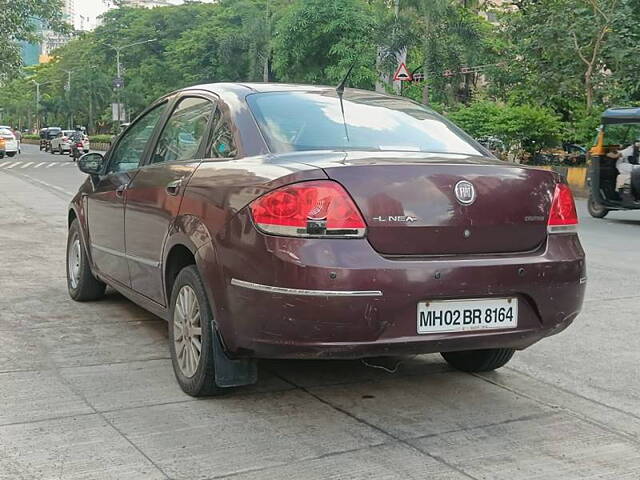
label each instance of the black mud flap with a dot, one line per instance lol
(232, 373)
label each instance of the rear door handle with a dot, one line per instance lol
(120, 190)
(173, 188)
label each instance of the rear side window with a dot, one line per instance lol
(184, 131)
(299, 121)
(222, 143)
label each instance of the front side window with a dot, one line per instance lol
(299, 121)
(128, 153)
(184, 131)
(622, 134)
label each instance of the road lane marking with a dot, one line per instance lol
(14, 164)
(48, 185)
(27, 164)
(4, 163)
(41, 163)
(52, 164)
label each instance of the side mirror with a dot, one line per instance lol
(91, 163)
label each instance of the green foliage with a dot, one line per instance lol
(538, 88)
(318, 40)
(100, 138)
(17, 23)
(522, 127)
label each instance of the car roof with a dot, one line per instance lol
(242, 89)
(621, 115)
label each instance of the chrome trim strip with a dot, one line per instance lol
(144, 261)
(110, 251)
(117, 253)
(562, 228)
(309, 293)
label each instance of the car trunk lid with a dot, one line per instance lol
(411, 207)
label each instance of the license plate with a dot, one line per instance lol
(464, 315)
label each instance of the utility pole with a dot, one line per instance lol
(119, 83)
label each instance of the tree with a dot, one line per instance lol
(560, 52)
(18, 22)
(522, 127)
(318, 40)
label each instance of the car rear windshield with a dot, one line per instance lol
(4, 131)
(299, 121)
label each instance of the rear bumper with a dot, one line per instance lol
(290, 322)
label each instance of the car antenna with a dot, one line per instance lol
(340, 92)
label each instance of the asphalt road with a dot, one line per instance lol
(87, 390)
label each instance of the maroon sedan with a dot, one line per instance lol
(285, 221)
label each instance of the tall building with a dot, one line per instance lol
(52, 40)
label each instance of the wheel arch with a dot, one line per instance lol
(188, 243)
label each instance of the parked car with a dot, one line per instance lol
(8, 143)
(287, 221)
(62, 142)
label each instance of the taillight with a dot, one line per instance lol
(563, 216)
(309, 209)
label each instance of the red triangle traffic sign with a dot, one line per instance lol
(402, 74)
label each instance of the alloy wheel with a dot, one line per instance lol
(74, 260)
(187, 331)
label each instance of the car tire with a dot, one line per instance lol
(479, 360)
(195, 371)
(81, 283)
(12, 154)
(595, 209)
(52, 151)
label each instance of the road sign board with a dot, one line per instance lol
(118, 82)
(118, 113)
(402, 74)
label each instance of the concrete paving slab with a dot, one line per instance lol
(143, 383)
(554, 447)
(84, 447)
(608, 416)
(226, 435)
(582, 359)
(313, 373)
(30, 396)
(385, 462)
(109, 342)
(62, 310)
(20, 350)
(408, 407)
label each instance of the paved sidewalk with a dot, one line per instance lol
(87, 390)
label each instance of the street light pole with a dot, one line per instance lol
(69, 72)
(38, 85)
(120, 84)
(37, 104)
